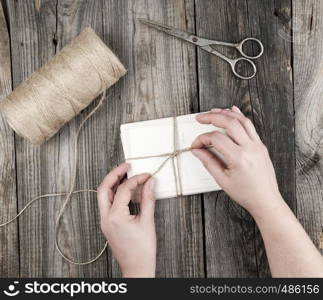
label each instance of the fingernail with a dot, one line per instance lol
(152, 183)
(216, 110)
(236, 108)
(125, 165)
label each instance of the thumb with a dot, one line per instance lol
(214, 166)
(147, 203)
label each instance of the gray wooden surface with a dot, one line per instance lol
(199, 236)
(9, 247)
(308, 103)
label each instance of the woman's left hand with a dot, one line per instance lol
(132, 238)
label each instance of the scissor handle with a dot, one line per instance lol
(233, 64)
(244, 54)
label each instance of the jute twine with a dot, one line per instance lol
(55, 94)
(170, 156)
(46, 101)
(58, 91)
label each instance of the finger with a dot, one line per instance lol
(147, 203)
(216, 110)
(114, 177)
(104, 203)
(221, 143)
(213, 164)
(236, 109)
(125, 190)
(233, 108)
(105, 192)
(231, 125)
(115, 187)
(245, 122)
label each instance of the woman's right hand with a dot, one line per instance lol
(248, 176)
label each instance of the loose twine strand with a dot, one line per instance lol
(170, 155)
(68, 196)
(16, 103)
(85, 60)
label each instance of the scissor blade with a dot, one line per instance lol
(176, 32)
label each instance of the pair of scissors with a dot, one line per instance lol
(206, 44)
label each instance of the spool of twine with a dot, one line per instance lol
(59, 90)
(56, 93)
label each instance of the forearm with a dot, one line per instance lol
(248, 177)
(290, 251)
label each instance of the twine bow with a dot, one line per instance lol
(170, 156)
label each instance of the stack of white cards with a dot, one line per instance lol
(155, 137)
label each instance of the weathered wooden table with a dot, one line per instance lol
(198, 236)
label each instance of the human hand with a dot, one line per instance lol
(131, 238)
(248, 176)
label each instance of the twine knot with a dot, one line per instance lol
(170, 156)
(178, 152)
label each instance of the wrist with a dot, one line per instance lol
(268, 207)
(138, 274)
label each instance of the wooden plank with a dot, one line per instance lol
(234, 247)
(161, 82)
(32, 47)
(272, 99)
(9, 247)
(308, 85)
(36, 36)
(81, 235)
(31, 44)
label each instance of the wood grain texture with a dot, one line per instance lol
(272, 100)
(31, 44)
(47, 168)
(9, 247)
(161, 82)
(234, 246)
(197, 236)
(80, 231)
(308, 91)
